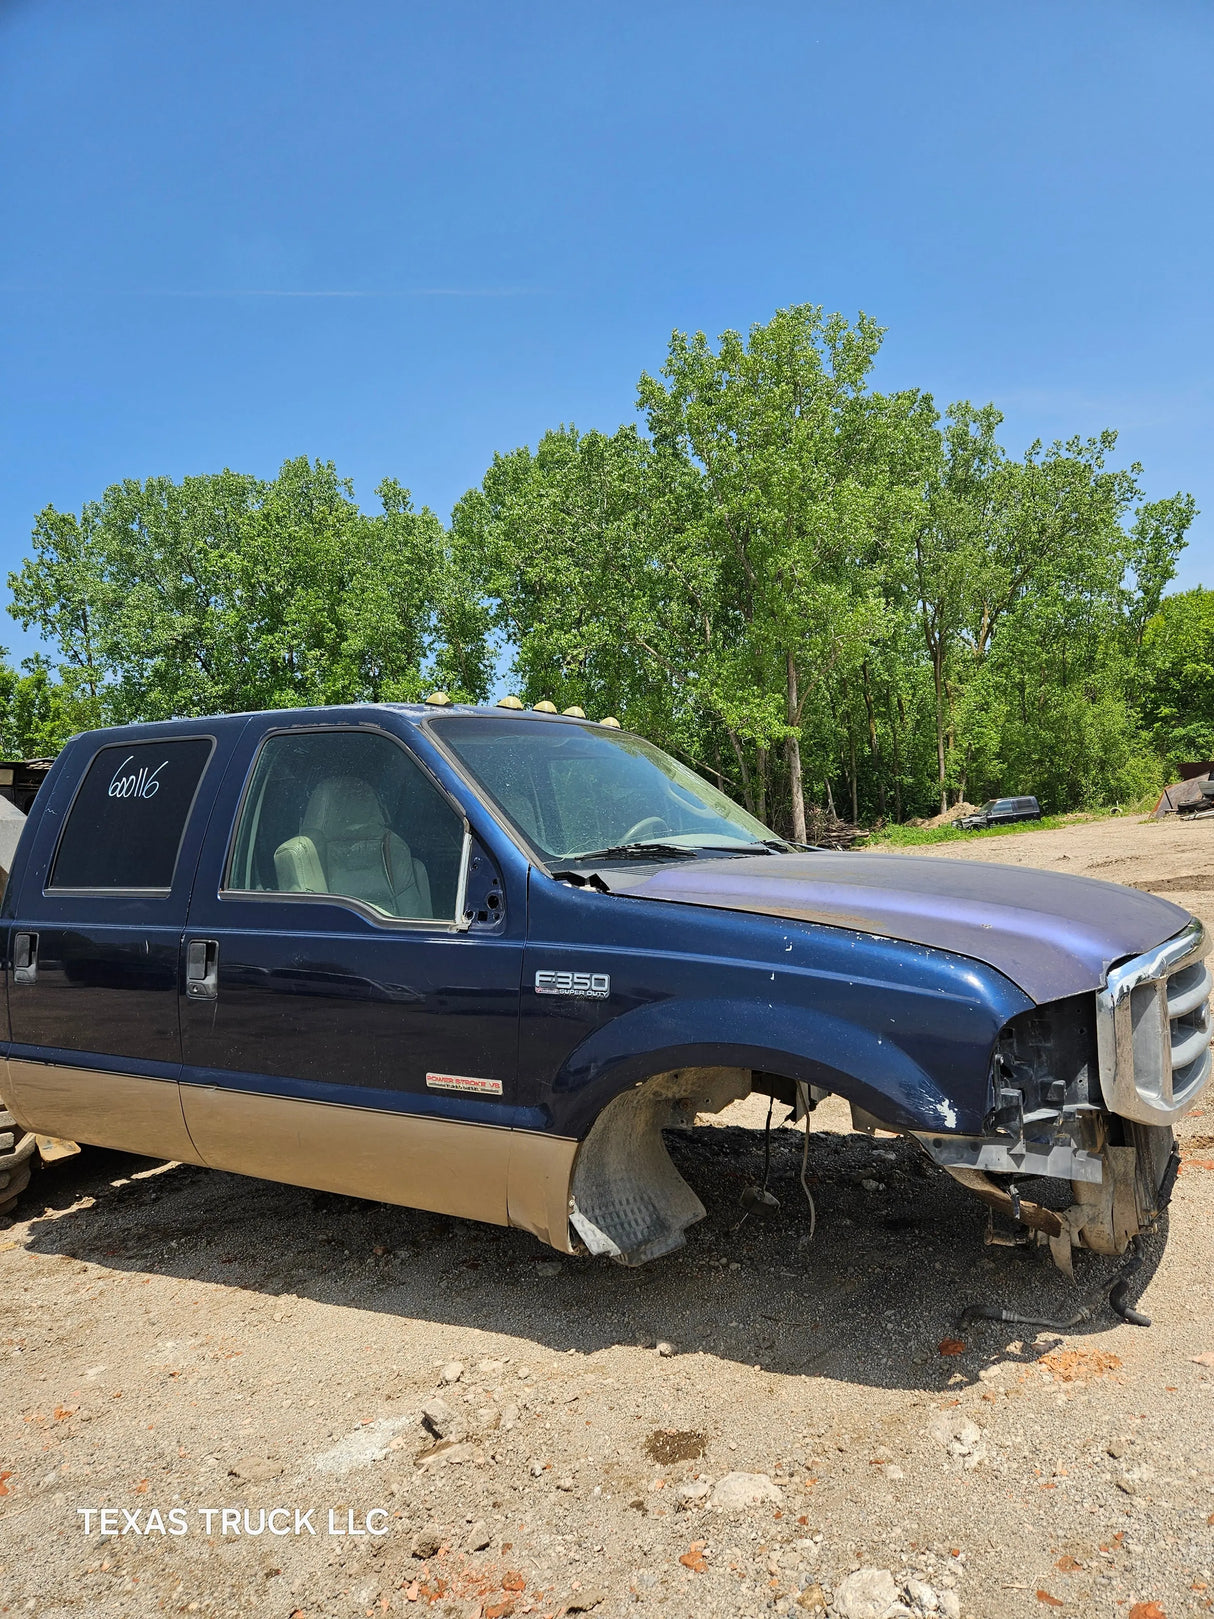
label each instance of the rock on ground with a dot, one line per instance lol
(737, 1491)
(869, 1593)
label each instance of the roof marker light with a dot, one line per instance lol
(509, 702)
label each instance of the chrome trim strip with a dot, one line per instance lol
(1152, 1064)
(1184, 1053)
(1190, 944)
(462, 920)
(1193, 997)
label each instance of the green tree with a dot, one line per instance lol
(38, 713)
(1156, 540)
(1177, 699)
(997, 532)
(800, 473)
(560, 544)
(224, 592)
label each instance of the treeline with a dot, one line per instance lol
(826, 597)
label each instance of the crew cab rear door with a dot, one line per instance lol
(95, 927)
(345, 1025)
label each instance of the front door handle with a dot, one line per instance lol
(202, 970)
(25, 958)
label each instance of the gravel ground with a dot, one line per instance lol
(178, 1340)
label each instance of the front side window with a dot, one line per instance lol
(348, 814)
(127, 821)
(577, 790)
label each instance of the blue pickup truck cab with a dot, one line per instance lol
(474, 960)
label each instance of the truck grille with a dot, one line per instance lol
(1153, 1030)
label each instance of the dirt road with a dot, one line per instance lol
(177, 1341)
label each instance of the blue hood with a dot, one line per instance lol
(1052, 935)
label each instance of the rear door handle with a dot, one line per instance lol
(202, 970)
(25, 958)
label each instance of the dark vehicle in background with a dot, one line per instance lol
(475, 961)
(1001, 812)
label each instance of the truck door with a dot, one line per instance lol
(344, 1025)
(95, 928)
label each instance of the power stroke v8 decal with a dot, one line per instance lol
(591, 986)
(464, 1082)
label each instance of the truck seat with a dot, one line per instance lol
(345, 846)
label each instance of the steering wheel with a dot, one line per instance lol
(690, 805)
(651, 823)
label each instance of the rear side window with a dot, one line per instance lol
(125, 827)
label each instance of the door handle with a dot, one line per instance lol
(25, 958)
(202, 970)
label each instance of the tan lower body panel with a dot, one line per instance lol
(541, 1169)
(474, 1171)
(127, 1111)
(420, 1162)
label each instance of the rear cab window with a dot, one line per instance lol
(126, 823)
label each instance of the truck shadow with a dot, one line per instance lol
(874, 1297)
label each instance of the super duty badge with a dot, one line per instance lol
(590, 986)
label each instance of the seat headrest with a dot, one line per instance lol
(344, 807)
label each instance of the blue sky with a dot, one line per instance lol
(403, 236)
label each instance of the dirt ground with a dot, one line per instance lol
(174, 1340)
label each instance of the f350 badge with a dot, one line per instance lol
(589, 986)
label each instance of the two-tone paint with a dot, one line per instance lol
(309, 1064)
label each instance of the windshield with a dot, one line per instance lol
(578, 790)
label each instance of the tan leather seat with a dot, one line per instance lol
(345, 846)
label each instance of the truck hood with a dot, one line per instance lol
(1052, 935)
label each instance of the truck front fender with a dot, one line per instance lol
(816, 1047)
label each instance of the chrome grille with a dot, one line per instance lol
(1153, 1030)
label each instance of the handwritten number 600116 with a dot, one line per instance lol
(141, 784)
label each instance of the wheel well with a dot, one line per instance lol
(627, 1199)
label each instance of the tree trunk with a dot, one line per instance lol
(950, 737)
(793, 747)
(941, 773)
(761, 773)
(873, 746)
(893, 726)
(855, 801)
(747, 789)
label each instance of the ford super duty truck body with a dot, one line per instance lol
(474, 960)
